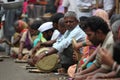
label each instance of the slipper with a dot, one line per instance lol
(1, 59)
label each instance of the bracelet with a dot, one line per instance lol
(118, 69)
(84, 43)
(114, 65)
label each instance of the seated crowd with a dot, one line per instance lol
(87, 48)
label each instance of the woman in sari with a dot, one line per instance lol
(24, 38)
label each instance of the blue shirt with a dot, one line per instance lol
(66, 39)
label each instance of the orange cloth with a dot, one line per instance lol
(86, 50)
(71, 70)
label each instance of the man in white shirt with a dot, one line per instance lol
(63, 47)
(108, 5)
(78, 6)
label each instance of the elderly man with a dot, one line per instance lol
(63, 46)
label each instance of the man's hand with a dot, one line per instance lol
(38, 57)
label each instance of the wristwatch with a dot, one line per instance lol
(46, 52)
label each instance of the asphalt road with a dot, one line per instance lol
(9, 70)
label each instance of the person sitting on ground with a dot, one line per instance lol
(46, 32)
(52, 37)
(116, 36)
(114, 22)
(113, 62)
(63, 46)
(83, 59)
(24, 38)
(104, 15)
(100, 35)
(61, 28)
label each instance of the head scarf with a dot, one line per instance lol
(103, 14)
(22, 25)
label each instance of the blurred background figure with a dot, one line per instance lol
(58, 5)
(36, 8)
(11, 15)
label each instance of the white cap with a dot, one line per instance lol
(45, 26)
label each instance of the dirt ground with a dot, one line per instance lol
(9, 70)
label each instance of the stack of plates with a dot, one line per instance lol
(84, 9)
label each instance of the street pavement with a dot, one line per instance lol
(9, 70)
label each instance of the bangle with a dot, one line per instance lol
(118, 69)
(84, 43)
(114, 65)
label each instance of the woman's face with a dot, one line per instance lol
(18, 29)
(19, 26)
(33, 32)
